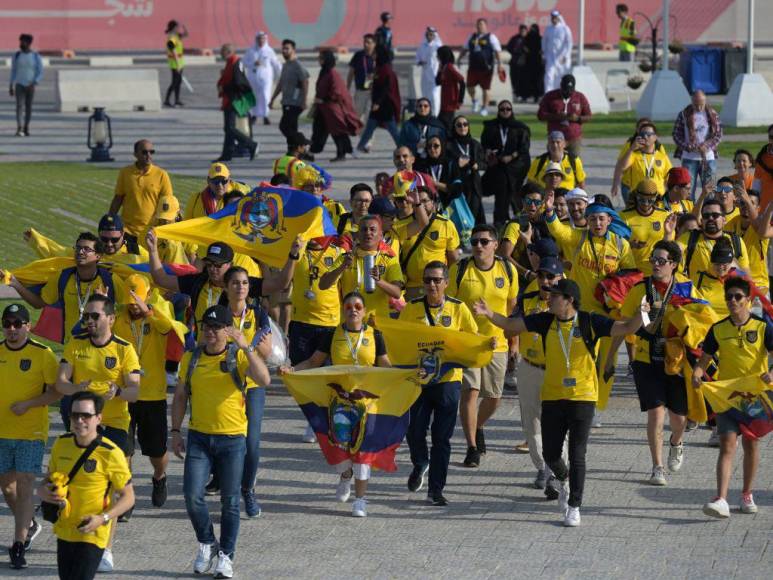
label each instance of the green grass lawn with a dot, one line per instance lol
(59, 200)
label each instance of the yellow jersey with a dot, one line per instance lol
(195, 206)
(571, 179)
(677, 207)
(441, 237)
(354, 279)
(653, 166)
(91, 490)
(252, 322)
(646, 231)
(140, 192)
(310, 304)
(498, 286)
(148, 336)
(743, 350)
(451, 313)
(700, 260)
(530, 343)
(24, 374)
(354, 348)
(713, 291)
(109, 363)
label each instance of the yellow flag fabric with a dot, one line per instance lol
(729, 394)
(46, 247)
(39, 271)
(433, 348)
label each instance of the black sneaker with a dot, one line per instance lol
(16, 552)
(32, 533)
(213, 487)
(551, 488)
(416, 479)
(126, 516)
(158, 496)
(480, 441)
(437, 499)
(473, 457)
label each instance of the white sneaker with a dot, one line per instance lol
(171, 379)
(714, 438)
(717, 508)
(596, 423)
(747, 504)
(475, 106)
(572, 517)
(675, 457)
(106, 563)
(360, 507)
(344, 489)
(224, 568)
(563, 495)
(308, 435)
(484, 112)
(205, 557)
(658, 476)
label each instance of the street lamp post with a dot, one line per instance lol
(586, 80)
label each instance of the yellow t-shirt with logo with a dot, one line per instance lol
(758, 252)
(570, 181)
(713, 290)
(250, 325)
(354, 279)
(653, 166)
(342, 346)
(452, 314)
(323, 308)
(679, 207)
(195, 206)
(592, 258)
(140, 192)
(148, 337)
(217, 406)
(742, 351)
(24, 374)
(441, 237)
(102, 365)
(530, 343)
(91, 490)
(577, 380)
(493, 285)
(646, 229)
(701, 257)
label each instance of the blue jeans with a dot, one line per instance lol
(226, 453)
(256, 401)
(442, 401)
(370, 128)
(694, 167)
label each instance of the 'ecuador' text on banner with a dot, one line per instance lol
(263, 224)
(748, 400)
(357, 413)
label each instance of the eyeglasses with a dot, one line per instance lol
(109, 240)
(360, 200)
(532, 201)
(84, 249)
(431, 280)
(90, 316)
(354, 306)
(714, 215)
(655, 261)
(646, 134)
(724, 188)
(148, 151)
(547, 275)
(79, 416)
(13, 323)
(218, 181)
(462, 124)
(480, 242)
(737, 296)
(505, 109)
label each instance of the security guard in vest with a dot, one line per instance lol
(628, 38)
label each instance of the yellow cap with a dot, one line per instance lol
(304, 176)
(168, 208)
(647, 187)
(138, 284)
(218, 169)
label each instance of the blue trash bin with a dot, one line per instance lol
(701, 68)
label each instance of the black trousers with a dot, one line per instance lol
(77, 560)
(233, 135)
(24, 97)
(174, 86)
(558, 418)
(288, 124)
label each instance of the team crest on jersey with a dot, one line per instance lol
(656, 226)
(146, 330)
(751, 336)
(434, 236)
(25, 364)
(499, 282)
(445, 320)
(658, 162)
(328, 261)
(90, 465)
(110, 362)
(247, 325)
(576, 333)
(365, 342)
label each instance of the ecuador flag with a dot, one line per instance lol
(264, 224)
(434, 349)
(357, 413)
(748, 400)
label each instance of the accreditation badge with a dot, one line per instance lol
(570, 382)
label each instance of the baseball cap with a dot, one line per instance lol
(555, 13)
(577, 193)
(110, 222)
(219, 253)
(568, 81)
(647, 187)
(551, 265)
(722, 254)
(431, 29)
(218, 315)
(678, 176)
(568, 288)
(297, 139)
(556, 136)
(219, 170)
(554, 167)
(544, 247)
(17, 311)
(167, 208)
(383, 207)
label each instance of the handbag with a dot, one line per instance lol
(50, 510)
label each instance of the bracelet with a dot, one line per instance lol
(294, 257)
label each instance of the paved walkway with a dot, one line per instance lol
(497, 526)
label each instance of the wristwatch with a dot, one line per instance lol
(106, 518)
(251, 348)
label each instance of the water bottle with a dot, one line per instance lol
(368, 262)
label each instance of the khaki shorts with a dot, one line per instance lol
(490, 380)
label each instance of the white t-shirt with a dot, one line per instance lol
(701, 122)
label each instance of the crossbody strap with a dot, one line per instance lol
(82, 459)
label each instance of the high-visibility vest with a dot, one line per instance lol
(627, 30)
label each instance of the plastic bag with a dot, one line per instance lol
(279, 347)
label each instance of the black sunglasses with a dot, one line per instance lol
(480, 242)
(714, 215)
(109, 240)
(13, 323)
(430, 280)
(737, 296)
(90, 315)
(460, 125)
(655, 261)
(503, 109)
(76, 415)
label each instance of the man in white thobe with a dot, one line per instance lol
(261, 65)
(426, 58)
(557, 51)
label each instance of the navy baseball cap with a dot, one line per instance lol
(111, 222)
(551, 265)
(383, 207)
(16, 311)
(544, 247)
(567, 288)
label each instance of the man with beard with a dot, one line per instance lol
(649, 224)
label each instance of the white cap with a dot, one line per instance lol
(577, 193)
(555, 13)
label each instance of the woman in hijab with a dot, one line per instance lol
(466, 159)
(335, 114)
(506, 144)
(534, 70)
(385, 99)
(451, 83)
(516, 47)
(417, 130)
(437, 166)
(426, 58)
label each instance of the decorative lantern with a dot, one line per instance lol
(100, 137)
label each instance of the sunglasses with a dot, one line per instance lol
(431, 280)
(79, 416)
(505, 109)
(90, 316)
(737, 296)
(84, 249)
(460, 125)
(725, 188)
(480, 242)
(218, 181)
(148, 151)
(213, 327)
(646, 134)
(714, 215)
(645, 199)
(109, 240)
(530, 201)
(354, 306)
(659, 261)
(13, 323)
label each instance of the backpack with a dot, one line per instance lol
(583, 323)
(543, 159)
(230, 362)
(692, 243)
(464, 262)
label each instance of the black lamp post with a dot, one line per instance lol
(100, 137)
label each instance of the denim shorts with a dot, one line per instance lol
(726, 424)
(21, 455)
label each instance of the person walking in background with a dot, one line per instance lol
(534, 72)
(386, 104)
(556, 50)
(26, 73)
(697, 134)
(565, 109)
(628, 38)
(294, 86)
(262, 67)
(452, 86)
(384, 34)
(231, 86)
(416, 131)
(426, 58)
(484, 49)
(362, 67)
(516, 46)
(175, 32)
